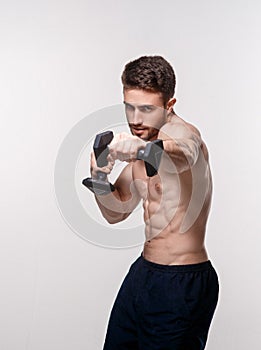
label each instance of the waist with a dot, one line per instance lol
(175, 252)
(200, 266)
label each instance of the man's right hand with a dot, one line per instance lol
(125, 147)
(106, 169)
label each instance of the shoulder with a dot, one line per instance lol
(180, 123)
(178, 120)
(179, 128)
(193, 129)
(196, 132)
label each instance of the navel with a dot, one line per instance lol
(158, 188)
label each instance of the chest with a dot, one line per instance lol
(147, 187)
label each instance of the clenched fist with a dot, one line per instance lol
(125, 147)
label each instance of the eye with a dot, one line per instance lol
(146, 109)
(129, 107)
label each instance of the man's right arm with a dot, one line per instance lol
(119, 204)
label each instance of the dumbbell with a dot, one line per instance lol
(100, 147)
(151, 155)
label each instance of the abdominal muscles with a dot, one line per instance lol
(174, 222)
(160, 206)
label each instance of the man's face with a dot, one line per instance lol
(145, 113)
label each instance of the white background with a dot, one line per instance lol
(62, 60)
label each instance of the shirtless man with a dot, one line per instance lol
(169, 296)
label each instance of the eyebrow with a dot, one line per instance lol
(139, 106)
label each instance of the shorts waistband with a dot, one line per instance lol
(176, 268)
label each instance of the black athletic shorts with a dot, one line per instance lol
(163, 307)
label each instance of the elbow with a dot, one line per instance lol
(114, 219)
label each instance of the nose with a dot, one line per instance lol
(137, 117)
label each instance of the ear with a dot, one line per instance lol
(170, 104)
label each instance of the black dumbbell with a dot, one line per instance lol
(151, 155)
(100, 147)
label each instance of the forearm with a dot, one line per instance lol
(112, 208)
(183, 152)
(182, 149)
(119, 204)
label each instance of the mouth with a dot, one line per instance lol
(138, 131)
(139, 128)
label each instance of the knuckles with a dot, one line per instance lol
(125, 146)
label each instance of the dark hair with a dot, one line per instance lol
(151, 73)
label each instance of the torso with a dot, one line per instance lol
(176, 208)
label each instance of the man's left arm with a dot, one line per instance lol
(182, 143)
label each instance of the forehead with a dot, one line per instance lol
(142, 97)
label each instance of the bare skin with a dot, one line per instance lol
(177, 200)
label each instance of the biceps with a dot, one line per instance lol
(126, 190)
